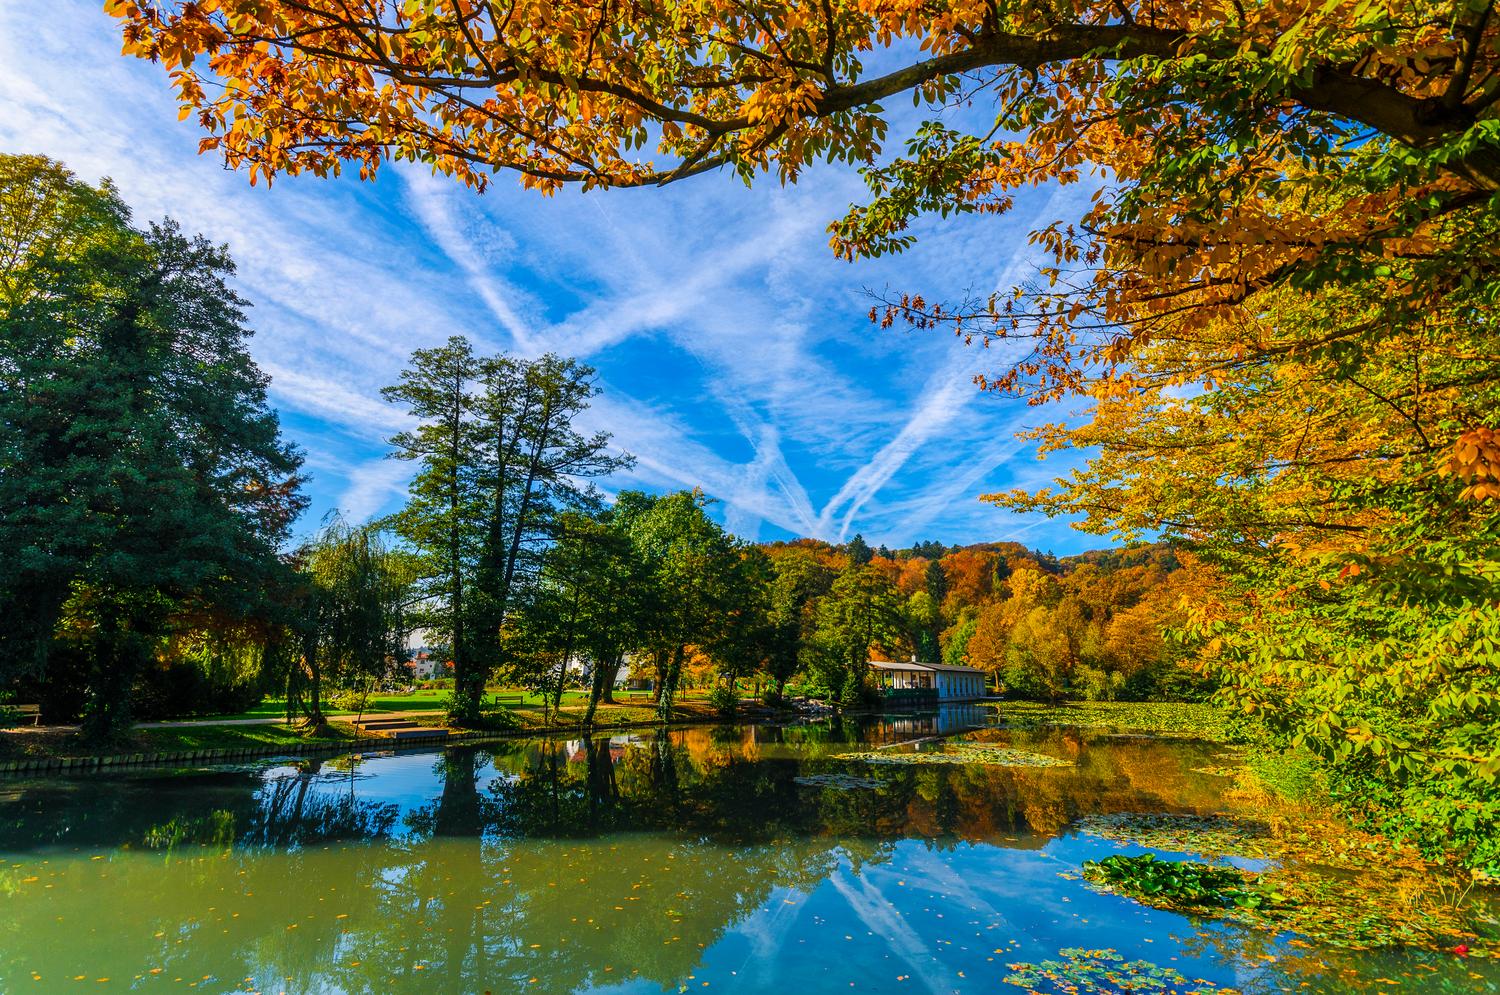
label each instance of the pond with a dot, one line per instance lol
(733, 859)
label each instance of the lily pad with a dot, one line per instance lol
(841, 782)
(982, 755)
(1105, 972)
(1203, 834)
(1323, 884)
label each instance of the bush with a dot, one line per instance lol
(497, 717)
(349, 700)
(185, 687)
(852, 694)
(1166, 681)
(724, 700)
(1095, 684)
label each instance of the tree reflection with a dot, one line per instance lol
(578, 863)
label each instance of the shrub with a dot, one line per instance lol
(184, 686)
(497, 717)
(349, 699)
(1096, 684)
(723, 700)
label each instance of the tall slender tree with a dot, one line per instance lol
(501, 459)
(532, 464)
(441, 517)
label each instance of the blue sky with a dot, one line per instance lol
(733, 348)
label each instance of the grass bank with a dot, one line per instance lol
(35, 749)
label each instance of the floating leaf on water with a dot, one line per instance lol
(983, 755)
(1205, 834)
(840, 782)
(1105, 972)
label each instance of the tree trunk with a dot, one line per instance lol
(659, 660)
(124, 648)
(669, 684)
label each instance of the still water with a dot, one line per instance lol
(694, 860)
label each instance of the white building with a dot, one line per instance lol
(934, 681)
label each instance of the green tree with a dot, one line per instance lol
(744, 642)
(142, 472)
(500, 459)
(862, 610)
(590, 605)
(800, 580)
(356, 616)
(532, 465)
(923, 621)
(692, 562)
(444, 507)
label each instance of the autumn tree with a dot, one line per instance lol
(1289, 229)
(1039, 655)
(1239, 148)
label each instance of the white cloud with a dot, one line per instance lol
(731, 342)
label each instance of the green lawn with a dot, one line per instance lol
(50, 743)
(434, 700)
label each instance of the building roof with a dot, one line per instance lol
(888, 665)
(947, 668)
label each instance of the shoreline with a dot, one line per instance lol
(69, 756)
(62, 764)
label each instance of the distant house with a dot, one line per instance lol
(423, 666)
(928, 681)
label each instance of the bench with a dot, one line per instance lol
(35, 711)
(508, 699)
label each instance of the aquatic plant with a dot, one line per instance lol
(1105, 972)
(1202, 834)
(1175, 719)
(840, 782)
(217, 829)
(983, 755)
(1176, 882)
(1328, 882)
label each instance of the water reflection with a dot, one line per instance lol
(642, 862)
